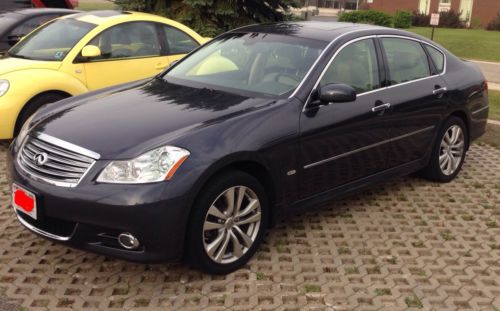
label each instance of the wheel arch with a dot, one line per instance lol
(465, 118)
(27, 105)
(247, 162)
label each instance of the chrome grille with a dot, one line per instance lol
(55, 161)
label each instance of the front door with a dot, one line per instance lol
(129, 52)
(342, 142)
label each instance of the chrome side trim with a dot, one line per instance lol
(40, 231)
(383, 88)
(66, 145)
(480, 109)
(368, 147)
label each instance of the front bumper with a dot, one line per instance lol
(91, 216)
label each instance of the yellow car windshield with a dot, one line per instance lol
(53, 41)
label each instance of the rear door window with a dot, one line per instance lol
(406, 59)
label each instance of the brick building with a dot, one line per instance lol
(475, 11)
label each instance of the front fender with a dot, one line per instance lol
(25, 85)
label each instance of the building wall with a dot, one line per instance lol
(390, 7)
(485, 10)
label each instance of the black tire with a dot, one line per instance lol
(433, 171)
(33, 105)
(196, 237)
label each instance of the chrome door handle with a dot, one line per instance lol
(440, 91)
(381, 107)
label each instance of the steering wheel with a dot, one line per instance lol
(283, 74)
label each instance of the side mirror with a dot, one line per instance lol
(91, 51)
(12, 40)
(336, 93)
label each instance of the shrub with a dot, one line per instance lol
(402, 19)
(420, 19)
(450, 19)
(475, 23)
(495, 23)
(367, 17)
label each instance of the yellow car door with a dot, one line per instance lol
(129, 51)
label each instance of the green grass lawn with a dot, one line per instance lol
(466, 43)
(91, 5)
(494, 97)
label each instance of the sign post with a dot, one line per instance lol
(434, 22)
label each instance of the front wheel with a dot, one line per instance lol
(228, 223)
(449, 151)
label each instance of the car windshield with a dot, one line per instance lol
(53, 41)
(260, 63)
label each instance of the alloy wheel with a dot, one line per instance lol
(232, 224)
(451, 150)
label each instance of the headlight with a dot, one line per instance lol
(4, 87)
(25, 129)
(153, 166)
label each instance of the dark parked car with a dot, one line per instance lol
(258, 123)
(11, 5)
(16, 24)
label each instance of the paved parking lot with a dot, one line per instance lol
(406, 243)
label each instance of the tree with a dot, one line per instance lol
(211, 17)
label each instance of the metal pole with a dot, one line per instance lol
(432, 35)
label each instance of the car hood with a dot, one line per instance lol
(126, 123)
(10, 64)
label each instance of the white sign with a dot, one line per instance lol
(435, 19)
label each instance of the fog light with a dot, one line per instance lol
(128, 241)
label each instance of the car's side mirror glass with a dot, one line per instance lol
(91, 51)
(336, 93)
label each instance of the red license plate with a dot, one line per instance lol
(24, 201)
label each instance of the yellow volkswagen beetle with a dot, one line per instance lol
(85, 52)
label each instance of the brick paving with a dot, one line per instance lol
(405, 243)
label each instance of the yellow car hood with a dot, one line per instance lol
(11, 64)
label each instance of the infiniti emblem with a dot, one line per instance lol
(40, 158)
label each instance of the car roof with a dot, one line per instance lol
(105, 16)
(42, 11)
(318, 30)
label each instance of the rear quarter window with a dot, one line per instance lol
(437, 57)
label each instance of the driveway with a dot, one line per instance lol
(406, 243)
(491, 72)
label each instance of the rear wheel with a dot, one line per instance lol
(33, 105)
(228, 223)
(449, 151)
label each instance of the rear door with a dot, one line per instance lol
(418, 98)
